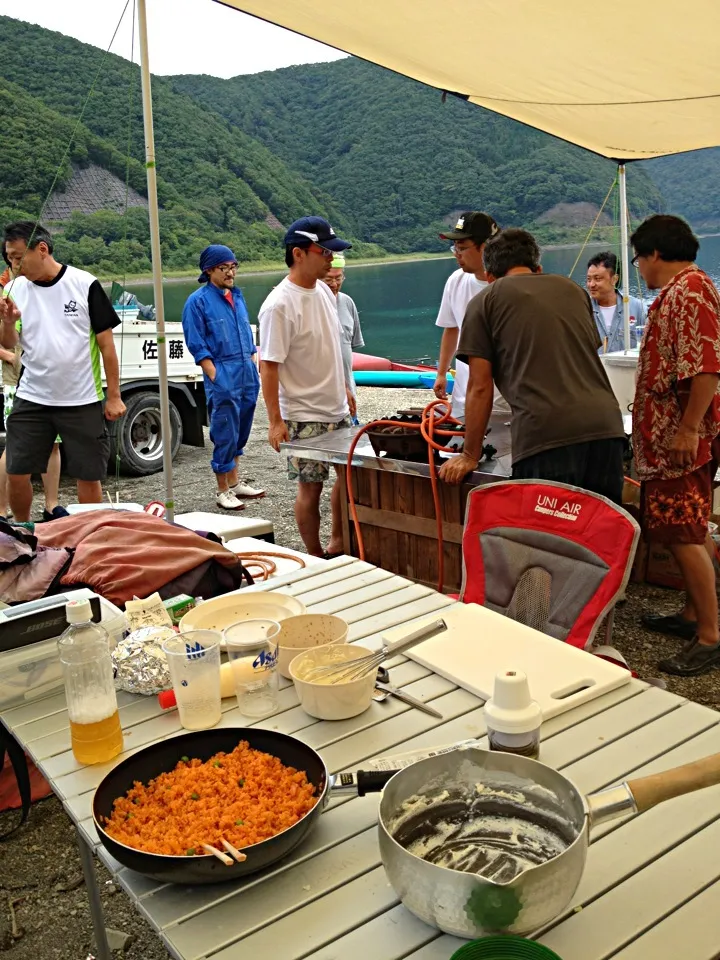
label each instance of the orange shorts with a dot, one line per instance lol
(678, 511)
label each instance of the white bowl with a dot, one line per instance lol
(221, 612)
(332, 701)
(307, 631)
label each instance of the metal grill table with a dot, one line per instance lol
(651, 888)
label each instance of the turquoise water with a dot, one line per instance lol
(398, 302)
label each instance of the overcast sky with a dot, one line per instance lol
(185, 36)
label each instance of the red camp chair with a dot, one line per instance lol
(549, 555)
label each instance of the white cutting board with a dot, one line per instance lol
(480, 643)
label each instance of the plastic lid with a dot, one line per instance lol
(167, 699)
(78, 611)
(504, 948)
(512, 709)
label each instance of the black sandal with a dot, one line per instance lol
(672, 624)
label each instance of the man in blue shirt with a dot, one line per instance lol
(607, 304)
(217, 332)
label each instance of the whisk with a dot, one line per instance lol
(357, 669)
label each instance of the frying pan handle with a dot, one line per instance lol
(649, 791)
(360, 783)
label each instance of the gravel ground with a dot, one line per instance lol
(40, 864)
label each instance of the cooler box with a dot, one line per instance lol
(29, 662)
(621, 369)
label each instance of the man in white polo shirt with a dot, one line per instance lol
(301, 370)
(63, 320)
(471, 232)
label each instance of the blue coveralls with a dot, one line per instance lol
(214, 330)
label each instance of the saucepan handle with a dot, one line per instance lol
(649, 791)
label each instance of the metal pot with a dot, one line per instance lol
(515, 830)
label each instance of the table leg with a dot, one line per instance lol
(96, 913)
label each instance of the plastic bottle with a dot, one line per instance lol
(512, 717)
(87, 668)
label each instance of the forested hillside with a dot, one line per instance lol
(386, 159)
(399, 160)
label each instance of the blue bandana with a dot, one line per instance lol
(213, 255)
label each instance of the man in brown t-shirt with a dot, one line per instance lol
(533, 335)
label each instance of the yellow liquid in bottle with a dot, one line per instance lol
(96, 741)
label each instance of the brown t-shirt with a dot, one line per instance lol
(538, 332)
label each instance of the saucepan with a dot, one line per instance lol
(477, 842)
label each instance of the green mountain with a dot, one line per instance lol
(387, 160)
(689, 183)
(216, 183)
(400, 161)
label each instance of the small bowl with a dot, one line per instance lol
(307, 632)
(332, 701)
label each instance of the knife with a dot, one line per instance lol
(406, 698)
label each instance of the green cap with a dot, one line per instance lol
(338, 262)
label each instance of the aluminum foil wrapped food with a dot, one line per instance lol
(139, 661)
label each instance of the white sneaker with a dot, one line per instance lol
(245, 490)
(228, 501)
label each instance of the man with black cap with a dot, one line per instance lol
(302, 370)
(471, 232)
(217, 331)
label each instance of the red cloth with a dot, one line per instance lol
(681, 340)
(9, 796)
(229, 297)
(121, 554)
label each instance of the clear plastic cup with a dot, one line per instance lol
(194, 662)
(252, 648)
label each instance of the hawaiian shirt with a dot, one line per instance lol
(681, 340)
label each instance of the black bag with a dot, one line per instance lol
(18, 760)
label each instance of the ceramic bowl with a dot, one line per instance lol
(332, 701)
(308, 631)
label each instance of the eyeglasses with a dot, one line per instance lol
(316, 248)
(226, 267)
(335, 279)
(456, 249)
(638, 256)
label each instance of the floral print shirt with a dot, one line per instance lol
(681, 340)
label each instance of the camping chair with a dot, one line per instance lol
(549, 555)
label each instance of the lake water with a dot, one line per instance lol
(398, 302)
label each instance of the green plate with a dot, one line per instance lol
(504, 948)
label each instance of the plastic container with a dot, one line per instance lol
(95, 732)
(512, 717)
(504, 948)
(194, 663)
(253, 652)
(306, 632)
(332, 701)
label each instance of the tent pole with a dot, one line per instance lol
(624, 253)
(166, 430)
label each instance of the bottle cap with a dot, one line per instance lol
(511, 709)
(78, 611)
(167, 699)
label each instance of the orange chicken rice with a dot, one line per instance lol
(244, 797)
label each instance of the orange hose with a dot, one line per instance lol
(428, 427)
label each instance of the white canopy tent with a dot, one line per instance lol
(627, 80)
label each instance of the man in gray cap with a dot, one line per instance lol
(217, 331)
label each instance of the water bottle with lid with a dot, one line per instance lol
(87, 668)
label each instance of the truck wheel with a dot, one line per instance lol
(137, 435)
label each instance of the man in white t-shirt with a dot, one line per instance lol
(472, 230)
(63, 320)
(301, 370)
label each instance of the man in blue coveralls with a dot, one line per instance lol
(217, 332)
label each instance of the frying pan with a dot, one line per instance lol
(162, 757)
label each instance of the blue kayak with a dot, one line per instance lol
(410, 379)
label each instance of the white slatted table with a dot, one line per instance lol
(651, 889)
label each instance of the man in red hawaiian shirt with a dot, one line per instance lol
(676, 422)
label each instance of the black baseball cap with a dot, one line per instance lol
(316, 230)
(473, 225)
